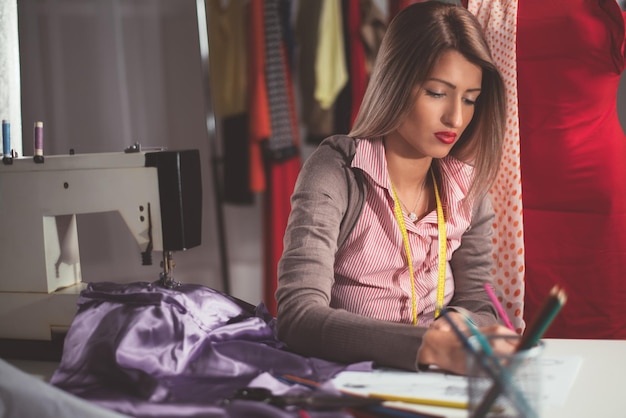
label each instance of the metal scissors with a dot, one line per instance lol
(310, 401)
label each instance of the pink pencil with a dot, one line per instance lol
(499, 307)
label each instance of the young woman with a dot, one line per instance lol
(363, 275)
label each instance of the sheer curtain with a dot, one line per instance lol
(10, 72)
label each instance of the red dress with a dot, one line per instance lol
(573, 162)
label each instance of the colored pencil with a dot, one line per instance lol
(519, 400)
(419, 401)
(550, 308)
(499, 307)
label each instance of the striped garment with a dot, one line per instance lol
(371, 272)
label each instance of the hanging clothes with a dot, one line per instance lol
(573, 160)
(317, 122)
(228, 77)
(365, 28)
(395, 6)
(358, 78)
(228, 62)
(343, 102)
(335, 63)
(282, 149)
(283, 142)
(373, 25)
(331, 74)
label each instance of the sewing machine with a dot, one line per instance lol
(157, 193)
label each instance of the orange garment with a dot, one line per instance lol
(282, 177)
(258, 107)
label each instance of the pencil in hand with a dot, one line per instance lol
(499, 307)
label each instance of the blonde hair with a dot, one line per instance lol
(413, 42)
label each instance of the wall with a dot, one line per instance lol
(105, 74)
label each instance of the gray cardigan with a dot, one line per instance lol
(327, 200)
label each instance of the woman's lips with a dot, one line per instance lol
(446, 137)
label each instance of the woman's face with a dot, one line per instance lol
(443, 106)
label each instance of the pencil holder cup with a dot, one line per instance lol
(504, 386)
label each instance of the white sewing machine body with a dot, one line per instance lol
(158, 194)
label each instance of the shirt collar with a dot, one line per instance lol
(370, 157)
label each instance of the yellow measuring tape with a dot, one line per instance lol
(441, 226)
(443, 245)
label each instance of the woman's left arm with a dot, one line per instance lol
(472, 266)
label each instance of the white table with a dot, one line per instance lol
(599, 389)
(590, 382)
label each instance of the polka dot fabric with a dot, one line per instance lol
(499, 21)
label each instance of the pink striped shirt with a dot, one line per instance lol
(371, 271)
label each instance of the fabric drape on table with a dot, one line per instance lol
(147, 351)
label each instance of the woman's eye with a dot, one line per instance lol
(434, 94)
(470, 102)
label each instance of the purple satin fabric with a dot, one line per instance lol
(144, 350)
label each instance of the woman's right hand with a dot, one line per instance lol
(442, 348)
